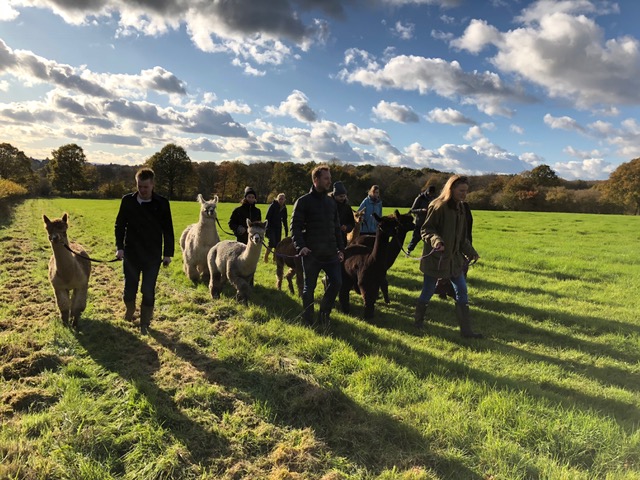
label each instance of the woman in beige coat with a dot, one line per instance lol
(446, 250)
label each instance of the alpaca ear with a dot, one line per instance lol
(65, 217)
(396, 213)
(46, 220)
(215, 199)
(248, 222)
(266, 222)
(200, 199)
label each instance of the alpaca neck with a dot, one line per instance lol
(395, 245)
(379, 253)
(251, 256)
(206, 229)
(64, 258)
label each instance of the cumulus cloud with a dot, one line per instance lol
(588, 169)
(448, 116)
(426, 75)
(563, 123)
(395, 112)
(296, 106)
(562, 49)
(405, 31)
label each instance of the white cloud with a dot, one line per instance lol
(516, 129)
(563, 123)
(588, 169)
(448, 116)
(564, 51)
(395, 112)
(412, 73)
(296, 106)
(405, 31)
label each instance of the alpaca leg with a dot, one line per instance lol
(192, 273)
(369, 302)
(384, 286)
(290, 275)
(344, 295)
(203, 271)
(279, 273)
(300, 280)
(78, 304)
(64, 303)
(243, 288)
(215, 285)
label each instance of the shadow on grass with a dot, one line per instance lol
(369, 341)
(371, 440)
(119, 350)
(7, 211)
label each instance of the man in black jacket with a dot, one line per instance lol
(419, 209)
(345, 213)
(276, 218)
(316, 233)
(143, 222)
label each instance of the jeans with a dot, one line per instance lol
(459, 287)
(132, 273)
(312, 267)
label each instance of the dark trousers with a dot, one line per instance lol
(416, 238)
(132, 273)
(311, 267)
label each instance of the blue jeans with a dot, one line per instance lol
(311, 267)
(459, 287)
(132, 273)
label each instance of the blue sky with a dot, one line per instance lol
(458, 85)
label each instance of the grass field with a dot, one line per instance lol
(222, 391)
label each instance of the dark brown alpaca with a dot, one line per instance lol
(364, 268)
(286, 255)
(404, 225)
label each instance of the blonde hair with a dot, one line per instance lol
(446, 195)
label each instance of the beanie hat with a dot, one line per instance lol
(249, 190)
(339, 189)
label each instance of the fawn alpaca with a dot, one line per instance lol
(236, 262)
(197, 239)
(68, 272)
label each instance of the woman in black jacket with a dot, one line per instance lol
(246, 211)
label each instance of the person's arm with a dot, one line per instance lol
(283, 214)
(234, 222)
(431, 227)
(297, 224)
(168, 235)
(120, 230)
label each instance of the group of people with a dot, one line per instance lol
(320, 222)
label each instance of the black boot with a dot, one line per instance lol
(131, 310)
(324, 321)
(421, 310)
(146, 314)
(307, 316)
(462, 313)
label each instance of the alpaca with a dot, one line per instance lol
(197, 239)
(355, 233)
(236, 262)
(404, 226)
(364, 268)
(286, 255)
(68, 271)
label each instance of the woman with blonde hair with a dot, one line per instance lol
(446, 250)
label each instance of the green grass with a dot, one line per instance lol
(222, 391)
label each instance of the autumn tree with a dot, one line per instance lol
(174, 171)
(623, 185)
(543, 175)
(15, 166)
(67, 168)
(294, 179)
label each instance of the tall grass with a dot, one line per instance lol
(218, 390)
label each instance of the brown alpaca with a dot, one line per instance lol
(364, 269)
(355, 233)
(286, 255)
(68, 272)
(404, 226)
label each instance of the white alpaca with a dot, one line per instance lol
(197, 239)
(236, 262)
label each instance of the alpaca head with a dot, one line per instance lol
(208, 207)
(404, 221)
(256, 231)
(57, 229)
(358, 216)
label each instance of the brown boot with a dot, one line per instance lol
(462, 313)
(421, 310)
(146, 314)
(131, 310)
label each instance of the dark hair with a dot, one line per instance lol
(145, 173)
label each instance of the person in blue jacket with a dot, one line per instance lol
(371, 204)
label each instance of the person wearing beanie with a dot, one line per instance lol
(246, 211)
(419, 209)
(345, 213)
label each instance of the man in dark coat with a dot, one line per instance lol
(345, 213)
(276, 218)
(317, 237)
(419, 209)
(143, 223)
(246, 211)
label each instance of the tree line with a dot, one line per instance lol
(68, 173)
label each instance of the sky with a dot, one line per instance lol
(464, 86)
